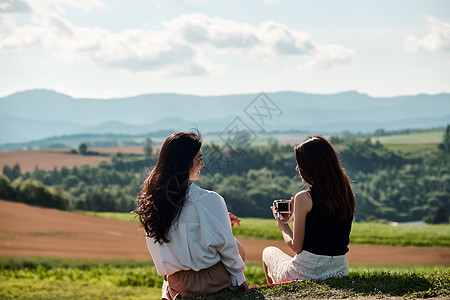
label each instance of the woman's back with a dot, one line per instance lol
(325, 235)
(188, 229)
(200, 238)
(322, 218)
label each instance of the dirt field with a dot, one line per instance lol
(47, 159)
(128, 150)
(32, 231)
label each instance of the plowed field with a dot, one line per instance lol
(31, 231)
(47, 159)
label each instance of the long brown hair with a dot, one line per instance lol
(164, 190)
(319, 166)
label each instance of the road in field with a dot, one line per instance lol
(31, 231)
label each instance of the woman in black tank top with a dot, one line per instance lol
(322, 217)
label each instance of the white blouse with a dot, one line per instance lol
(201, 238)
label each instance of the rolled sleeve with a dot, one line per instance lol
(238, 279)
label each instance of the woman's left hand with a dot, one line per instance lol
(234, 220)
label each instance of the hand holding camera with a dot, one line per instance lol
(282, 210)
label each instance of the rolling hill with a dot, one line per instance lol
(38, 114)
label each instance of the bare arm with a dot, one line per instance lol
(302, 204)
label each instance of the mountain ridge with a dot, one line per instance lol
(349, 92)
(36, 114)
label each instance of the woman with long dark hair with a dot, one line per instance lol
(188, 228)
(322, 217)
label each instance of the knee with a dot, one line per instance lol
(267, 251)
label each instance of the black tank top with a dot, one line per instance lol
(323, 234)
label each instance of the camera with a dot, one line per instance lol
(282, 206)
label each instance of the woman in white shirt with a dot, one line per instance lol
(188, 228)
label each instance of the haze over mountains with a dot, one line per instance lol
(38, 114)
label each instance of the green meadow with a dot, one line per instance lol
(429, 137)
(123, 216)
(51, 278)
(416, 144)
(362, 233)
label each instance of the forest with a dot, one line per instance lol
(388, 185)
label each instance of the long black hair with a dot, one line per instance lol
(319, 166)
(164, 190)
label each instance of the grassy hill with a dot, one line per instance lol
(50, 278)
(429, 137)
(362, 233)
(414, 143)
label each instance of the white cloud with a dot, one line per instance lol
(281, 40)
(437, 38)
(180, 48)
(135, 51)
(7, 22)
(199, 28)
(59, 6)
(329, 56)
(153, 52)
(14, 6)
(8, 10)
(44, 21)
(267, 40)
(22, 38)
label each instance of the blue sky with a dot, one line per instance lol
(117, 48)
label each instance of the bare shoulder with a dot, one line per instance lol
(303, 200)
(303, 195)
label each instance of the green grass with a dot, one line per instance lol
(400, 235)
(112, 215)
(51, 278)
(362, 282)
(59, 289)
(414, 144)
(362, 233)
(431, 137)
(416, 149)
(255, 228)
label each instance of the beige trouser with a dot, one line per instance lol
(197, 283)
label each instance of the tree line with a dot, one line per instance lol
(387, 185)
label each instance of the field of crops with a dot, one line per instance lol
(415, 149)
(432, 137)
(417, 144)
(49, 278)
(362, 233)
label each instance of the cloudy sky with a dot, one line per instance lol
(115, 48)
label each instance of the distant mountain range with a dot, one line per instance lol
(39, 114)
